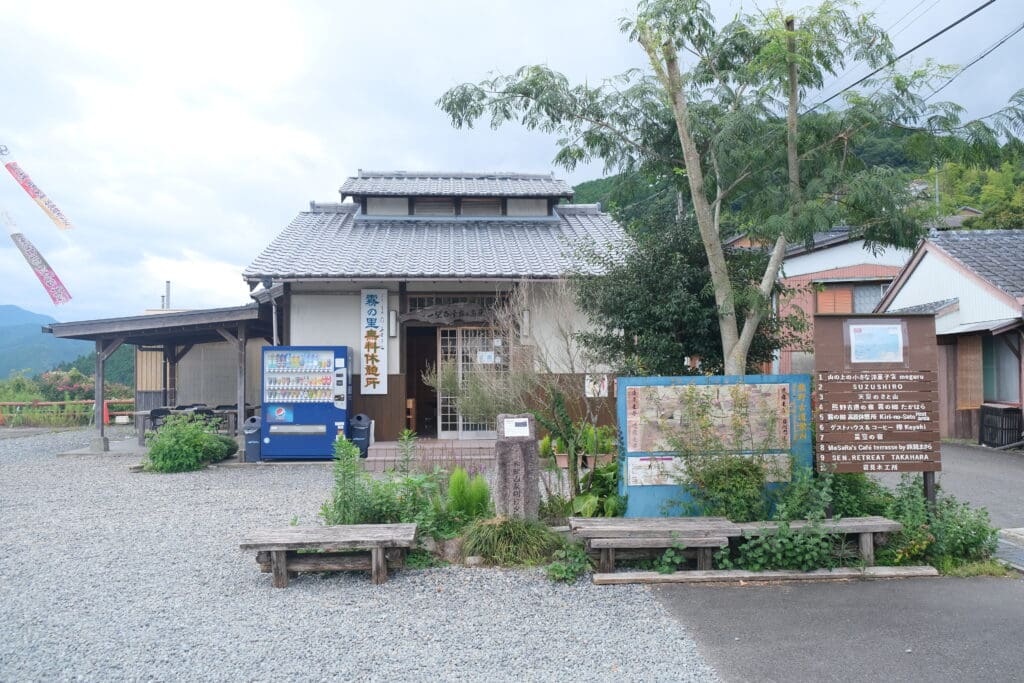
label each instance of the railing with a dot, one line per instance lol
(61, 413)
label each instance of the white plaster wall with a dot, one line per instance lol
(526, 207)
(333, 320)
(936, 279)
(844, 255)
(209, 374)
(554, 318)
(387, 206)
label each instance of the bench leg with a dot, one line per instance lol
(378, 565)
(606, 564)
(867, 548)
(704, 559)
(279, 567)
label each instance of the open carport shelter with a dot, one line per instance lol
(175, 334)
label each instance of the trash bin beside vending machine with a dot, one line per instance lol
(251, 431)
(359, 428)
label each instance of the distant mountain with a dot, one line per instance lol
(24, 346)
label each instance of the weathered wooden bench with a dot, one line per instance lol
(705, 534)
(331, 548)
(606, 535)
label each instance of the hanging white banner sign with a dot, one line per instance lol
(373, 319)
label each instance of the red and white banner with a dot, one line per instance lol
(51, 283)
(38, 196)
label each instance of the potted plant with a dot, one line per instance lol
(598, 444)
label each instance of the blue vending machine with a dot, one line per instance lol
(307, 391)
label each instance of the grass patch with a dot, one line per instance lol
(990, 567)
(418, 558)
(511, 542)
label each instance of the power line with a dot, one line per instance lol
(903, 54)
(977, 59)
(894, 25)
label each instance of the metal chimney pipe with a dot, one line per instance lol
(167, 298)
(162, 304)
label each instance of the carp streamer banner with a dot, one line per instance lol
(51, 283)
(38, 196)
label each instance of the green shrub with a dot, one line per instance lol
(962, 534)
(184, 443)
(479, 498)
(671, 560)
(856, 495)
(570, 563)
(458, 491)
(545, 449)
(804, 549)
(410, 498)
(554, 509)
(511, 541)
(725, 485)
(228, 446)
(908, 507)
(600, 497)
(352, 500)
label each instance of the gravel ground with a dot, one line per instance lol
(112, 575)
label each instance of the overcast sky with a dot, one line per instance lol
(180, 138)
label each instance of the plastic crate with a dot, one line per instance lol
(1000, 425)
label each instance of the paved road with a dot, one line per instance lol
(954, 629)
(940, 629)
(983, 476)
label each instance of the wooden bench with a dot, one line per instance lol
(704, 534)
(277, 550)
(608, 534)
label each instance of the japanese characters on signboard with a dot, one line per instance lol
(373, 353)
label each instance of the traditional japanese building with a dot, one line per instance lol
(407, 269)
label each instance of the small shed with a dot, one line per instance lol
(176, 334)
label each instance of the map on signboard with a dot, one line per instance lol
(739, 417)
(876, 343)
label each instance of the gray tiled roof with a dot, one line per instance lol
(460, 184)
(331, 241)
(930, 307)
(996, 255)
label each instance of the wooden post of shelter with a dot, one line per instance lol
(103, 350)
(172, 356)
(240, 343)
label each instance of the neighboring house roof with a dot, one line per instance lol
(459, 184)
(990, 326)
(930, 307)
(996, 255)
(335, 241)
(819, 240)
(991, 258)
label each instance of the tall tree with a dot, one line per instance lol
(720, 113)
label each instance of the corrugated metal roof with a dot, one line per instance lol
(996, 255)
(456, 184)
(332, 241)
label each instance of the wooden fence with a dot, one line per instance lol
(61, 413)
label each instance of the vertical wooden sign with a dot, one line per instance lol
(877, 398)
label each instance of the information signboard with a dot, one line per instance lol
(656, 415)
(876, 393)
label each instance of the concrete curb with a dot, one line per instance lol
(1014, 536)
(743, 577)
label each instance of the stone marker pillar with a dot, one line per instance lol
(517, 492)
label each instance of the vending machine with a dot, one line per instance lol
(307, 391)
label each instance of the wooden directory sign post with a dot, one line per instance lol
(876, 394)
